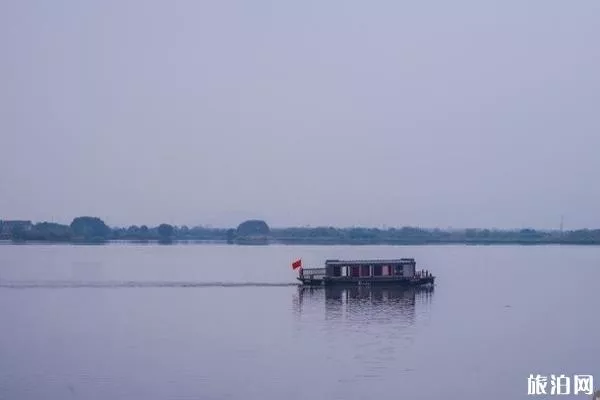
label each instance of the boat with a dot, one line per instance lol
(401, 271)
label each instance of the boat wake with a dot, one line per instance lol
(132, 284)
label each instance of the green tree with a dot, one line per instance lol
(17, 233)
(165, 230)
(253, 227)
(90, 228)
(230, 235)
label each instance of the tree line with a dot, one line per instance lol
(415, 236)
(94, 229)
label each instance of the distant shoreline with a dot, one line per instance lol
(297, 243)
(93, 230)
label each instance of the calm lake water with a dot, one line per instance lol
(223, 322)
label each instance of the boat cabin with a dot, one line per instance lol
(402, 267)
(401, 271)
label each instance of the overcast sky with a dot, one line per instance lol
(450, 113)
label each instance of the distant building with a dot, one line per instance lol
(6, 227)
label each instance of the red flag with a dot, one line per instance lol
(297, 264)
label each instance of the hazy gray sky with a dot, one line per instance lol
(449, 113)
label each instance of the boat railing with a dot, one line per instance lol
(314, 270)
(423, 274)
(314, 273)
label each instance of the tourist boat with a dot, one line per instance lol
(400, 271)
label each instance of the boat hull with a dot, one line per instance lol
(355, 281)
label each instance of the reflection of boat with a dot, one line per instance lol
(379, 302)
(372, 293)
(401, 272)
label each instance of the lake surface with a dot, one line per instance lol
(225, 322)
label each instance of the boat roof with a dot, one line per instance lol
(383, 262)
